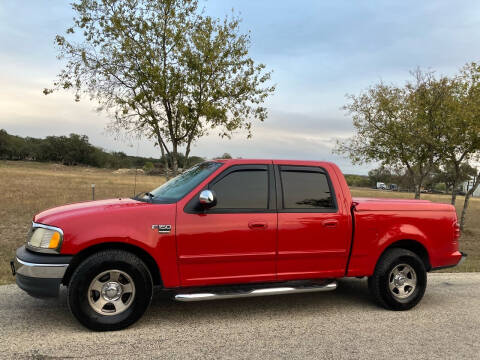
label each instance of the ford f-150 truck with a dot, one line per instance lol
(234, 228)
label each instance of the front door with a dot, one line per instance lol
(235, 240)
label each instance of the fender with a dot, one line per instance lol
(402, 232)
(371, 242)
(132, 225)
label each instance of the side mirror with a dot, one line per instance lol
(207, 198)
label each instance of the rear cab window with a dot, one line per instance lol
(305, 188)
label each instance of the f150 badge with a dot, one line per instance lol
(162, 229)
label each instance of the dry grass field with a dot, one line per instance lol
(470, 239)
(27, 188)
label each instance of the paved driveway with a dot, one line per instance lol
(335, 325)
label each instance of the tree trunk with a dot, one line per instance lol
(454, 193)
(413, 180)
(467, 200)
(455, 181)
(174, 159)
(165, 163)
(164, 151)
(417, 191)
(187, 154)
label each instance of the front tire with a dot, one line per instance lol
(110, 290)
(399, 280)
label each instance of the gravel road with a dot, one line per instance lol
(343, 324)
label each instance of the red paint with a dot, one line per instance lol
(315, 245)
(206, 249)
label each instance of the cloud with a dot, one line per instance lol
(285, 135)
(319, 51)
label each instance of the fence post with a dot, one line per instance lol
(93, 191)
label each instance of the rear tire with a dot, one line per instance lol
(399, 280)
(110, 290)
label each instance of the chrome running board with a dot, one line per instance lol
(257, 292)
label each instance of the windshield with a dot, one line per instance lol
(181, 185)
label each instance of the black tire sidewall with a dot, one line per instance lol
(92, 267)
(383, 280)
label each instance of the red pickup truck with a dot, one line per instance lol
(234, 228)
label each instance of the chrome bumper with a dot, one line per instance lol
(44, 271)
(39, 274)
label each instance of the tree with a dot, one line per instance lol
(452, 177)
(193, 160)
(357, 180)
(460, 130)
(148, 167)
(224, 156)
(397, 126)
(12, 147)
(468, 195)
(163, 69)
(381, 174)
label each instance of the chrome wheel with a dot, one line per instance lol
(402, 281)
(111, 292)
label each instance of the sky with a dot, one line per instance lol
(319, 51)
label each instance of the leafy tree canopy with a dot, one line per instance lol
(399, 126)
(164, 69)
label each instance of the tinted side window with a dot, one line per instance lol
(306, 190)
(242, 189)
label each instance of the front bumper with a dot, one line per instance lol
(40, 275)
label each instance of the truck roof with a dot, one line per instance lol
(275, 161)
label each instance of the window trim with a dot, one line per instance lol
(303, 168)
(192, 206)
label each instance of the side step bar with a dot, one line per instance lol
(257, 292)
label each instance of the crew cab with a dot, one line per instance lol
(234, 228)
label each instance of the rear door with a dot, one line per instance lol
(234, 241)
(313, 234)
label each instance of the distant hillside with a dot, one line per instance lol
(74, 150)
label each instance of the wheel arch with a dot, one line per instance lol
(414, 246)
(142, 254)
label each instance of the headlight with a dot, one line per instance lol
(44, 238)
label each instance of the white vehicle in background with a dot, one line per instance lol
(381, 186)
